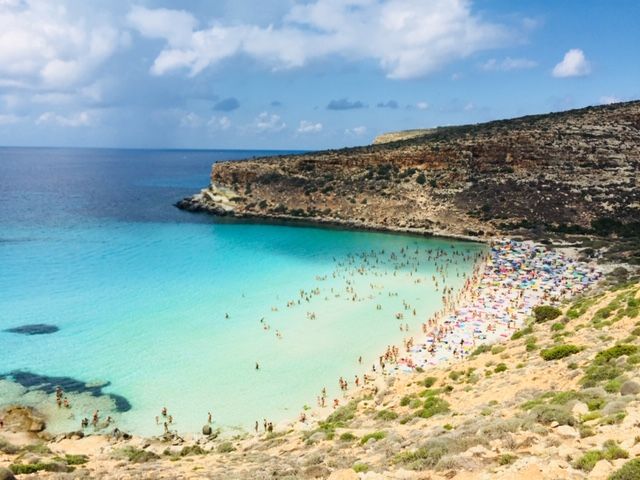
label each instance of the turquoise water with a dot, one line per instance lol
(167, 305)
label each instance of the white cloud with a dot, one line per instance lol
(574, 64)
(508, 64)
(80, 119)
(191, 120)
(43, 45)
(266, 122)
(219, 123)
(9, 119)
(609, 99)
(408, 38)
(356, 131)
(422, 105)
(309, 127)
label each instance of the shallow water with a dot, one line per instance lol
(90, 243)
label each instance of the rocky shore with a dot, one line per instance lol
(568, 173)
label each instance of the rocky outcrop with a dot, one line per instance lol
(573, 171)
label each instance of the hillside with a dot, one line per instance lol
(574, 172)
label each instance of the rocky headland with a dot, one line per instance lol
(540, 176)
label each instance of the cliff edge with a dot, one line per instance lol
(573, 172)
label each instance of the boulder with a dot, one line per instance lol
(316, 471)
(630, 388)
(344, 474)
(6, 474)
(207, 430)
(579, 409)
(601, 470)
(567, 432)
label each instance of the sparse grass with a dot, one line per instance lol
(496, 349)
(549, 413)
(481, 349)
(528, 330)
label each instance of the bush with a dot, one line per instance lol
(348, 437)
(501, 367)
(559, 351)
(375, 435)
(360, 467)
(386, 415)
(506, 459)
(433, 405)
(588, 460)
(543, 313)
(547, 414)
(556, 327)
(481, 349)
(429, 381)
(615, 352)
(629, 471)
(421, 179)
(225, 447)
(136, 455)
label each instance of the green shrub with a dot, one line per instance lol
(136, 455)
(75, 459)
(612, 451)
(421, 179)
(192, 450)
(547, 414)
(481, 349)
(629, 471)
(454, 375)
(348, 437)
(556, 327)
(342, 415)
(225, 447)
(543, 313)
(596, 373)
(588, 460)
(360, 467)
(433, 405)
(615, 352)
(375, 435)
(506, 459)
(496, 349)
(386, 415)
(528, 330)
(501, 367)
(423, 457)
(429, 381)
(559, 351)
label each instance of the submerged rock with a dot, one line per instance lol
(34, 329)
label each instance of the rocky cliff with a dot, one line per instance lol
(574, 171)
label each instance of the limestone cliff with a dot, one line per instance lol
(574, 171)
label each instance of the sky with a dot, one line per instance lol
(287, 74)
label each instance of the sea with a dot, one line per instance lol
(151, 307)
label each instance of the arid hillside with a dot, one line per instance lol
(571, 172)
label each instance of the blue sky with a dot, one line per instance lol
(300, 74)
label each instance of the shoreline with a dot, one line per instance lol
(379, 381)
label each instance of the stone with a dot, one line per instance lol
(579, 409)
(630, 388)
(37, 425)
(207, 430)
(601, 470)
(344, 474)
(316, 471)
(6, 474)
(567, 432)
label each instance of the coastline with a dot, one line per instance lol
(380, 380)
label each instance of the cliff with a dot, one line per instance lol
(572, 172)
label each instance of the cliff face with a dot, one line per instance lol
(571, 171)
